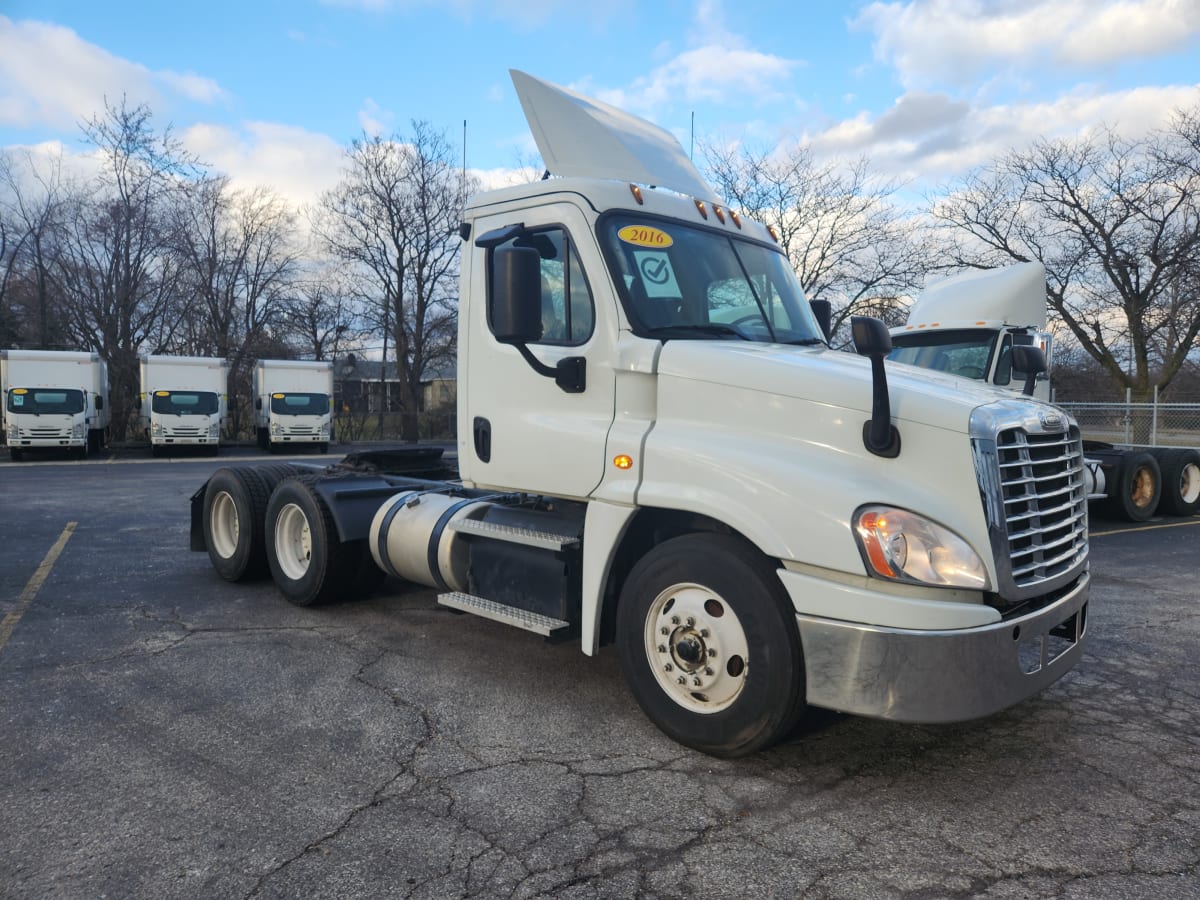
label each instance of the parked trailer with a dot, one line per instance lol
(968, 325)
(183, 402)
(53, 400)
(293, 404)
(658, 449)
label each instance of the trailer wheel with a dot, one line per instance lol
(709, 645)
(1137, 487)
(1180, 481)
(235, 505)
(308, 562)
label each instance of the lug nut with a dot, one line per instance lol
(682, 680)
(690, 621)
(674, 620)
(668, 667)
(707, 670)
(664, 630)
(712, 651)
(662, 648)
(703, 632)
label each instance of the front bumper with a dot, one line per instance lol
(942, 676)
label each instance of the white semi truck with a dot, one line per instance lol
(183, 402)
(658, 450)
(292, 404)
(971, 324)
(53, 400)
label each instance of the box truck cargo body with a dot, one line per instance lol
(292, 403)
(183, 401)
(53, 400)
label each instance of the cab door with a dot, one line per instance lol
(519, 430)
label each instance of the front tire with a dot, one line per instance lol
(709, 645)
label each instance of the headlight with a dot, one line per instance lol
(77, 430)
(156, 428)
(213, 429)
(276, 428)
(902, 546)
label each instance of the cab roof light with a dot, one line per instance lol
(720, 213)
(737, 220)
(637, 194)
(773, 233)
(703, 209)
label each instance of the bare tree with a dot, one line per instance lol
(238, 256)
(847, 240)
(119, 267)
(32, 198)
(1116, 223)
(321, 314)
(394, 217)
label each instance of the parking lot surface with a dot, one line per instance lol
(164, 733)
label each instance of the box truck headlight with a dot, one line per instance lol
(213, 429)
(156, 428)
(276, 428)
(902, 546)
(77, 430)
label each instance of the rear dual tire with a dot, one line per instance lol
(1180, 481)
(234, 518)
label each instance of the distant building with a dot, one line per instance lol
(368, 385)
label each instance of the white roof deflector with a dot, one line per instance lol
(578, 136)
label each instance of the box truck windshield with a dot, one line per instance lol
(300, 404)
(43, 402)
(183, 403)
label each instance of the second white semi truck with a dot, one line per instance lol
(971, 325)
(657, 449)
(53, 400)
(183, 402)
(293, 404)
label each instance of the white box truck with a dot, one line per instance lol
(53, 399)
(183, 401)
(657, 449)
(975, 325)
(292, 404)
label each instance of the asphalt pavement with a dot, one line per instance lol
(164, 733)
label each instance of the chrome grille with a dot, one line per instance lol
(1029, 461)
(1045, 509)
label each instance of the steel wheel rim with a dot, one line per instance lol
(224, 525)
(697, 648)
(293, 541)
(1189, 483)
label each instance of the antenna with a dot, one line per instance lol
(692, 146)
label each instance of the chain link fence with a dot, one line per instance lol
(1138, 424)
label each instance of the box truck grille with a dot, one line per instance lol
(1032, 484)
(300, 430)
(185, 431)
(43, 433)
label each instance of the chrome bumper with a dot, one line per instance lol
(942, 676)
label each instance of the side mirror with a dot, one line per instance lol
(99, 403)
(823, 310)
(871, 339)
(515, 300)
(1030, 361)
(258, 402)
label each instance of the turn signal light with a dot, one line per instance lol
(623, 461)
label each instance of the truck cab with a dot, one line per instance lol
(183, 402)
(293, 404)
(53, 400)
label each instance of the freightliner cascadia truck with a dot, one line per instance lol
(292, 404)
(183, 402)
(972, 324)
(53, 400)
(657, 449)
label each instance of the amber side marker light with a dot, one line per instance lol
(623, 462)
(773, 233)
(720, 213)
(737, 220)
(703, 209)
(637, 194)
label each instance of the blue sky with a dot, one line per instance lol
(271, 92)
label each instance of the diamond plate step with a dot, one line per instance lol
(498, 612)
(544, 539)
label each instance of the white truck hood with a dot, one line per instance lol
(828, 377)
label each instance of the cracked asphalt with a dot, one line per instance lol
(164, 733)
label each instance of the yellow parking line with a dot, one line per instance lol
(1189, 523)
(35, 584)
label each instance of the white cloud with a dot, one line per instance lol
(374, 120)
(528, 14)
(51, 76)
(955, 40)
(930, 136)
(299, 164)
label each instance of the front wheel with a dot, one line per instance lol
(709, 645)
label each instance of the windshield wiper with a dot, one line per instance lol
(805, 342)
(717, 328)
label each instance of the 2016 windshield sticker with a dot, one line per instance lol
(645, 236)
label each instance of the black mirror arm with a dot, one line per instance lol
(570, 373)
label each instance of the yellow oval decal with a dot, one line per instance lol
(277, 396)
(645, 236)
(162, 393)
(20, 391)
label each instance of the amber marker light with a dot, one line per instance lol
(637, 194)
(773, 233)
(873, 527)
(623, 461)
(737, 220)
(720, 213)
(703, 209)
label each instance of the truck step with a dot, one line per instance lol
(545, 540)
(509, 615)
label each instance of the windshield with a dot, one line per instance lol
(41, 401)
(300, 404)
(965, 352)
(180, 403)
(683, 282)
